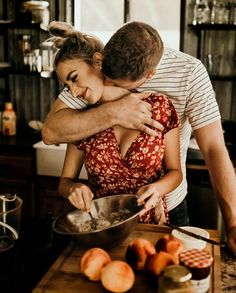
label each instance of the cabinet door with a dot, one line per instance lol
(17, 177)
(48, 200)
(202, 203)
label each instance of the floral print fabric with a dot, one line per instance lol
(110, 173)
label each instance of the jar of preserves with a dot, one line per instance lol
(38, 12)
(199, 263)
(175, 279)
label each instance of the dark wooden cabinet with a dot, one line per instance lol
(17, 175)
(48, 200)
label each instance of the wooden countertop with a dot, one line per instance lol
(64, 276)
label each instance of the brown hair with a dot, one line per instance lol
(132, 52)
(72, 44)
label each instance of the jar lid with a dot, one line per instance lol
(196, 258)
(35, 4)
(177, 273)
(8, 106)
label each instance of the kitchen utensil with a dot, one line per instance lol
(93, 222)
(194, 235)
(115, 216)
(10, 211)
(188, 241)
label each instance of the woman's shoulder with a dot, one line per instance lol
(163, 110)
(158, 99)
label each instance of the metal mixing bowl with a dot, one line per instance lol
(115, 217)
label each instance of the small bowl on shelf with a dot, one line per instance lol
(190, 242)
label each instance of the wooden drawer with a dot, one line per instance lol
(16, 166)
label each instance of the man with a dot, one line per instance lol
(137, 48)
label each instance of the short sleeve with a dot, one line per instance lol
(201, 107)
(74, 103)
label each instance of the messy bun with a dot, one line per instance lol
(72, 44)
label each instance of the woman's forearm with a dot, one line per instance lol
(169, 182)
(65, 186)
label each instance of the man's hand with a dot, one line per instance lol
(133, 113)
(231, 239)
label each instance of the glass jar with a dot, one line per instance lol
(38, 11)
(25, 43)
(175, 279)
(199, 263)
(47, 51)
(201, 12)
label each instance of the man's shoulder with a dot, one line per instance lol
(170, 55)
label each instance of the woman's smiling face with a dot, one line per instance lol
(83, 80)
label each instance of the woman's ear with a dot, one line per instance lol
(97, 60)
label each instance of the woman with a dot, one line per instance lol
(118, 160)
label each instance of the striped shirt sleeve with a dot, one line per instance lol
(72, 102)
(201, 107)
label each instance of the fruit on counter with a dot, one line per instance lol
(157, 263)
(92, 262)
(168, 243)
(138, 251)
(117, 276)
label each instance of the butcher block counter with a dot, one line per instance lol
(64, 276)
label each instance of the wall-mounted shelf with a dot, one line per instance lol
(223, 77)
(215, 27)
(8, 24)
(215, 47)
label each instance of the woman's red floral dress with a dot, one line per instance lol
(109, 173)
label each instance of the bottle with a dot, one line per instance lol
(8, 120)
(201, 12)
(199, 263)
(175, 279)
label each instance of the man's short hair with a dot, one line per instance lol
(132, 52)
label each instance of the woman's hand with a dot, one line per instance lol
(149, 196)
(81, 196)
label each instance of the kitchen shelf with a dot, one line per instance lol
(5, 25)
(6, 72)
(223, 78)
(215, 27)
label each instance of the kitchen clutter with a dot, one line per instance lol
(35, 12)
(214, 12)
(36, 59)
(10, 215)
(166, 264)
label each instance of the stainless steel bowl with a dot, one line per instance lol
(115, 215)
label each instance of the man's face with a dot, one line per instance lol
(124, 83)
(83, 80)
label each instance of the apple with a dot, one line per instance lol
(168, 243)
(92, 262)
(138, 251)
(157, 263)
(117, 276)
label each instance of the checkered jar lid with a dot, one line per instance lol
(196, 258)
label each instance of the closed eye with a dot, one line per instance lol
(73, 78)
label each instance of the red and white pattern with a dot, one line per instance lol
(110, 173)
(196, 258)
